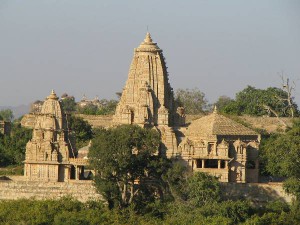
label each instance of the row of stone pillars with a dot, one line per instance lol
(219, 164)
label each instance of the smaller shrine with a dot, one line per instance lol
(221, 147)
(51, 154)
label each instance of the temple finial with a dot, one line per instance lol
(148, 38)
(52, 95)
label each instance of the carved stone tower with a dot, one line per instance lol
(49, 152)
(147, 98)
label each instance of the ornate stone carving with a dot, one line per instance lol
(147, 91)
(49, 151)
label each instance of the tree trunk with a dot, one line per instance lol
(124, 200)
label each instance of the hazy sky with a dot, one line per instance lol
(85, 47)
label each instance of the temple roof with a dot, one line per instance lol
(216, 124)
(148, 45)
(51, 105)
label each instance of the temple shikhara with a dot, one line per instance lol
(148, 98)
(214, 143)
(51, 154)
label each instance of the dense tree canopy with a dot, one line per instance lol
(82, 130)
(13, 147)
(193, 100)
(69, 211)
(222, 102)
(6, 114)
(203, 189)
(281, 154)
(258, 102)
(129, 169)
(106, 107)
(69, 104)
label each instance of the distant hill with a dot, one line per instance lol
(17, 110)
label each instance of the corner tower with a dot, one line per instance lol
(147, 98)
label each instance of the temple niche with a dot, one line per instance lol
(221, 147)
(147, 98)
(51, 154)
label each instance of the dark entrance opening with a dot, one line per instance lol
(211, 163)
(72, 175)
(199, 163)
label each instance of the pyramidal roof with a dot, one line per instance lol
(216, 124)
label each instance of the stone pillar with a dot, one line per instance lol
(219, 164)
(226, 164)
(203, 163)
(77, 172)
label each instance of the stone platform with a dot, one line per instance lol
(17, 187)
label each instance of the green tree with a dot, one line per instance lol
(82, 129)
(89, 109)
(202, 189)
(7, 114)
(13, 147)
(176, 178)
(129, 171)
(281, 154)
(222, 102)
(107, 107)
(69, 104)
(258, 102)
(193, 100)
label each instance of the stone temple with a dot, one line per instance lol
(147, 98)
(221, 147)
(51, 154)
(213, 143)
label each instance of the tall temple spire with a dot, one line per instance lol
(147, 97)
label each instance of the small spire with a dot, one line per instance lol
(52, 95)
(215, 109)
(148, 38)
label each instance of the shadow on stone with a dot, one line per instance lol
(257, 193)
(4, 178)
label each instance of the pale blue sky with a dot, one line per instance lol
(85, 47)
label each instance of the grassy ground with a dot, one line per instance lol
(12, 170)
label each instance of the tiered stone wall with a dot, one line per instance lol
(17, 187)
(256, 192)
(98, 120)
